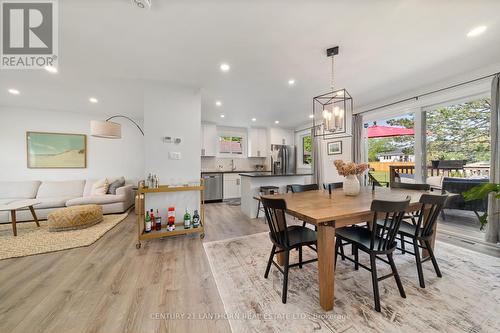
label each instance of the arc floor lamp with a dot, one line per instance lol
(109, 129)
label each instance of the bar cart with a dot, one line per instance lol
(143, 192)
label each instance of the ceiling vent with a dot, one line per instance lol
(143, 4)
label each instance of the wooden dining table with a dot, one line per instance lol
(328, 212)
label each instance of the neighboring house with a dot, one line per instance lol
(395, 156)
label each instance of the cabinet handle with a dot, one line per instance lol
(203, 152)
(238, 181)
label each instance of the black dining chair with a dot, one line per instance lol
(265, 190)
(374, 243)
(331, 186)
(285, 238)
(412, 216)
(297, 188)
(421, 232)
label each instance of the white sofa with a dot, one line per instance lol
(57, 194)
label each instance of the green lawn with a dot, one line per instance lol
(381, 176)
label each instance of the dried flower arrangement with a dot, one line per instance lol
(350, 168)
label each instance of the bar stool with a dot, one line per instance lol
(265, 190)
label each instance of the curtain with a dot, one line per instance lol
(317, 159)
(357, 139)
(493, 226)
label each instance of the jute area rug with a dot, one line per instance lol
(32, 240)
(465, 299)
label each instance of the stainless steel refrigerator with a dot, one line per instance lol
(283, 159)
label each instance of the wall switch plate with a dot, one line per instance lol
(167, 139)
(174, 155)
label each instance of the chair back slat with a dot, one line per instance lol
(433, 204)
(276, 220)
(296, 188)
(394, 212)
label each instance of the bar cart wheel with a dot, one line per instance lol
(138, 245)
(202, 235)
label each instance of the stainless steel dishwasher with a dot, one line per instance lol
(213, 186)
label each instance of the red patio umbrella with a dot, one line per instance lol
(376, 131)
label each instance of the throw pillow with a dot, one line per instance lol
(116, 184)
(100, 187)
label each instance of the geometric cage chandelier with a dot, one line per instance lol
(330, 109)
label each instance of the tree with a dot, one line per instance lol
(377, 146)
(460, 131)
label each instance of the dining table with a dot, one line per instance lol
(330, 211)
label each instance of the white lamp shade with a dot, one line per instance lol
(105, 129)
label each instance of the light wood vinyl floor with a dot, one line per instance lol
(111, 286)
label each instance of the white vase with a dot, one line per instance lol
(351, 185)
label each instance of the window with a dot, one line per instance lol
(232, 145)
(306, 150)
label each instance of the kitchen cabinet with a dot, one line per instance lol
(232, 186)
(257, 142)
(208, 140)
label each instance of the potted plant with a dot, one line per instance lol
(480, 192)
(350, 170)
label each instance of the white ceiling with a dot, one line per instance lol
(109, 48)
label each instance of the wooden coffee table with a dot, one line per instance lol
(17, 205)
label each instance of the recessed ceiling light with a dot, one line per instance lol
(222, 116)
(93, 100)
(14, 91)
(291, 82)
(218, 103)
(311, 116)
(254, 119)
(51, 69)
(477, 31)
(276, 122)
(225, 67)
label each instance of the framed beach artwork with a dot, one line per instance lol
(334, 148)
(56, 150)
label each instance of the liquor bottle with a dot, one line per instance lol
(158, 221)
(187, 220)
(152, 217)
(147, 222)
(196, 219)
(171, 219)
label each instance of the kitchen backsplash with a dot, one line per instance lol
(243, 164)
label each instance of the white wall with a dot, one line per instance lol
(280, 136)
(176, 112)
(105, 157)
(330, 174)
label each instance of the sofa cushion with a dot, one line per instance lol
(90, 182)
(116, 184)
(52, 202)
(21, 189)
(71, 188)
(100, 187)
(96, 200)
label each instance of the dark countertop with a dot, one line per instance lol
(229, 171)
(269, 174)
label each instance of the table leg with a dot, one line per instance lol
(34, 216)
(13, 218)
(326, 269)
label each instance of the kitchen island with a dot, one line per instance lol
(252, 181)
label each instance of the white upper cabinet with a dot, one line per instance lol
(257, 142)
(208, 140)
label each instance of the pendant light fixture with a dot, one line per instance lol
(330, 110)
